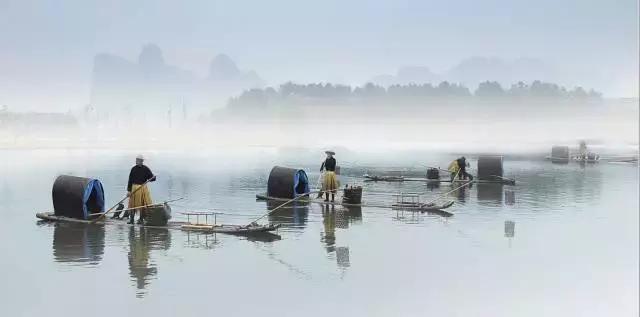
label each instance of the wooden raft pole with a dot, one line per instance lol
(145, 206)
(288, 202)
(512, 181)
(449, 192)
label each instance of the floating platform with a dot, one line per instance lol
(430, 208)
(374, 178)
(185, 226)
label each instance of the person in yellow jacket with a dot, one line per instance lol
(454, 169)
(459, 167)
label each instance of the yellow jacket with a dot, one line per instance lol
(453, 167)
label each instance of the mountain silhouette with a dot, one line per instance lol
(150, 84)
(474, 70)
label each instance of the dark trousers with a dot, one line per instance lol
(464, 175)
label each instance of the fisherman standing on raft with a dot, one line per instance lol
(138, 177)
(330, 182)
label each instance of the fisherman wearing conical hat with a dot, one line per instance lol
(137, 189)
(330, 183)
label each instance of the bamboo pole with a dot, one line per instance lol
(288, 202)
(146, 206)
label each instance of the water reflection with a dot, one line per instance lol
(509, 230)
(328, 237)
(509, 197)
(354, 214)
(490, 194)
(431, 186)
(264, 237)
(78, 243)
(333, 218)
(296, 213)
(560, 185)
(344, 216)
(141, 242)
(342, 257)
(201, 240)
(461, 192)
(408, 216)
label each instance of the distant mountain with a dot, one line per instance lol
(408, 75)
(472, 71)
(150, 84)
(224, 69)
(475, 70)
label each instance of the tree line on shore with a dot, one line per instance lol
(292, 92)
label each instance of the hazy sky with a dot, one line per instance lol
(47, 47)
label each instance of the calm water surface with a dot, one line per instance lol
(567, 246)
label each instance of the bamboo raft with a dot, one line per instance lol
(185, 226)
(418, 207)
(377, 178)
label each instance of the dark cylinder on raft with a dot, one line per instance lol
(560, 154)
(490, 168)
(287, 182)
(157, 215)
(77, 197)
(433, 173)
(352, 195)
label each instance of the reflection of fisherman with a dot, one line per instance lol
(330, 182)
(139, 250)
(139, 197)
(329, 222)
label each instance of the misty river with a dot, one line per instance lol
(567, 245)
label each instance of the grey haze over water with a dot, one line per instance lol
(47, 48)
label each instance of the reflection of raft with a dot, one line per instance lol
(494, 180)
(186, 226)
(423, 207)
(378, 178)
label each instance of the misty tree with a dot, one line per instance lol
(288, 89)
(293, 92)
(542, 89)
(519, 89)
(411, 91)
(369, 90)
(446, 89)
(489, 89)
(594, 94)
(252, 98)
(580, 93)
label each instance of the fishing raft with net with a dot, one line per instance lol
(82, 200)
(490, 171)
(290, 185)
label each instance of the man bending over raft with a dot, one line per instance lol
(139, 197)
(459, 167)
(330, 182)
(463, 164)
